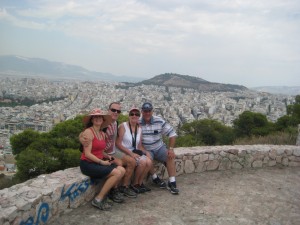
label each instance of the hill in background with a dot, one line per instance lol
(186, 81)
(35, 67)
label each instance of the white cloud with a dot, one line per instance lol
(243, 31)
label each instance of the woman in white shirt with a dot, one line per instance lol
(129, 141)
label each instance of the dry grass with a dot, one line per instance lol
(280, 138)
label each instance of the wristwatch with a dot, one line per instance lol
(171, 148)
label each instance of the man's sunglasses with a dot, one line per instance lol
(134, 114)
(115, 110)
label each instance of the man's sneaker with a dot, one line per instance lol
(116, 196)
(103, 205)
(172, 187)
(145, 187)
(128, 192)
(137, 189)
(160, 183)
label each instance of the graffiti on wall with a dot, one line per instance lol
(75, 190)
(43, 214)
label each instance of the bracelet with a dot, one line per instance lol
(171, 148)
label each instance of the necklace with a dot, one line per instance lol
(96, 133)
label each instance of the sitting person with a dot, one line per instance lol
(129, 142)
(93, 161)
(121, 159)
(153, 130)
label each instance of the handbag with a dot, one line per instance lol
(139, 152)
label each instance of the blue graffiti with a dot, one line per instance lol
(75, 190)
(43, 215)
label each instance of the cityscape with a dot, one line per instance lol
(176, 105)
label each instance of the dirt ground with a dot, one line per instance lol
(268, 196)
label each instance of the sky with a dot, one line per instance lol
(246, 42)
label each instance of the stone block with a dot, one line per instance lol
(257, 164)
(285, 161)
(258, 156)
(236, 165)
(212, 165)
(272, 154)
(196, 158)
(296, 152)
(288, 152)
(266, 160)
(242, 153)
(189, 166)
(211, 157)
(10, 213)
(200, 167)
(233, 158)
(233, 151)
(272, 163)
(225, 164)
(247, 162)
(179, 165)
(278, 159)
(280, 151)
(223, 154)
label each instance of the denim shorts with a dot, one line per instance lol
(96, 170)
(160, 155)
(143, 157)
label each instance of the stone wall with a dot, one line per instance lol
(39, 200)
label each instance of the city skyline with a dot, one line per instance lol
(249, 43)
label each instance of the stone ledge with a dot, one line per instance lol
(40, 200)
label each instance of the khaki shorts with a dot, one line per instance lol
(118, 154)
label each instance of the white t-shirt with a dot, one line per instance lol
(127, 138)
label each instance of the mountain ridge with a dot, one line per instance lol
(12, 65)
(186, 81)
(19, 65)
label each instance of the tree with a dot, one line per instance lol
(205, 132)
(251, 123)
(285, 122)
(32, 163)
(188, 141)
(20, 142)
(70, 158)
(122, 118)
(48, 152)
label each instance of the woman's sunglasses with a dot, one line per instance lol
(134, 114)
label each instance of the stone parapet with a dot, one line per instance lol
(40, 200)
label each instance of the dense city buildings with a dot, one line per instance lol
(177, 105)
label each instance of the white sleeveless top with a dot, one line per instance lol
(127, 138)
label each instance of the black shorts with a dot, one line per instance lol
(95, 170)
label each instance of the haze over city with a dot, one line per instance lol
(250, 43)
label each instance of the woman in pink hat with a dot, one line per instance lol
(94, 162)
(129, 142)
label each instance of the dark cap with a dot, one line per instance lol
(147, 106)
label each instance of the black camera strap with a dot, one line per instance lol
(133, 137)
